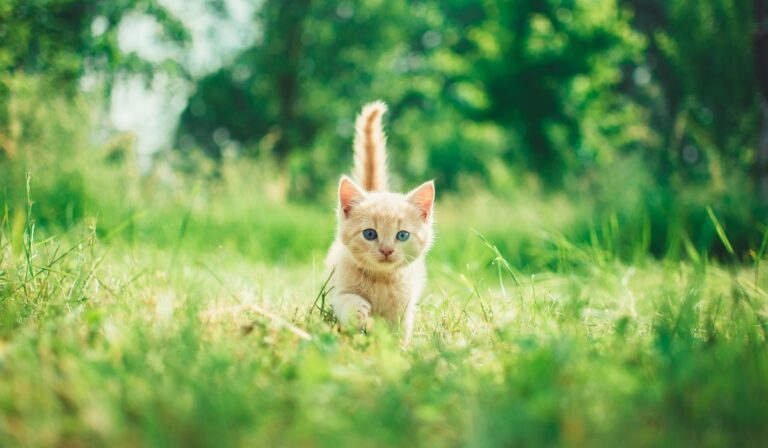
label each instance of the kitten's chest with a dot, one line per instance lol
(388, 298)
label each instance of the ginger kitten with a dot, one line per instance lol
(382, 237)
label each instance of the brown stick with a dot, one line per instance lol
(277, 320)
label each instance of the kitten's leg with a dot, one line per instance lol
(408, 319)
(351, 310)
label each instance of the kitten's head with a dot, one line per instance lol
(384, 231)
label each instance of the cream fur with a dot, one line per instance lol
(370, 148)
(366, 282)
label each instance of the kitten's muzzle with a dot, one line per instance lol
(386, 251)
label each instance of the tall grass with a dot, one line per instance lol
(111, 347)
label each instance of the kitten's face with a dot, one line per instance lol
(385, 231)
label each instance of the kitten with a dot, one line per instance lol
(381, 239)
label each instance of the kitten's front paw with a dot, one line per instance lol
(362, 318)
(353, 312)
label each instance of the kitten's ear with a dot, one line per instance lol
(349, 195)
(423, 197)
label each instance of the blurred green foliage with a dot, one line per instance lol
(64, 40)
(556, 86)
(652, 107)
(469, 84)
(644, 111)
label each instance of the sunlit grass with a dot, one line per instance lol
(183, 339)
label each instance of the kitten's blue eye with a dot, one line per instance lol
(402, 235)
(369, 234)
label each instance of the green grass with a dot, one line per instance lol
(150, 330)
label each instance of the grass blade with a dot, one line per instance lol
(720, 231)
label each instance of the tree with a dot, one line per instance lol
(61, 40)
(701, 57)
(483, 77)
(300, 84)
(544, 67)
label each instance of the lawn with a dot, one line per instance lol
(194, 326)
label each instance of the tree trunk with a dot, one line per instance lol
(761, 162)
(760, 42)
(286, 51)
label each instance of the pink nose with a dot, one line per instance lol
(386, 251)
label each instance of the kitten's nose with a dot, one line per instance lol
(386, 251)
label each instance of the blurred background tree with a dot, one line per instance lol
(531, 74)
(61, 41)
(651, 109)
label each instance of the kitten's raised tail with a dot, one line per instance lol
(370, 148)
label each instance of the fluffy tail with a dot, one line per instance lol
(370, 148)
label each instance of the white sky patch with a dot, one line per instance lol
(142, 34)
(152, 112)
